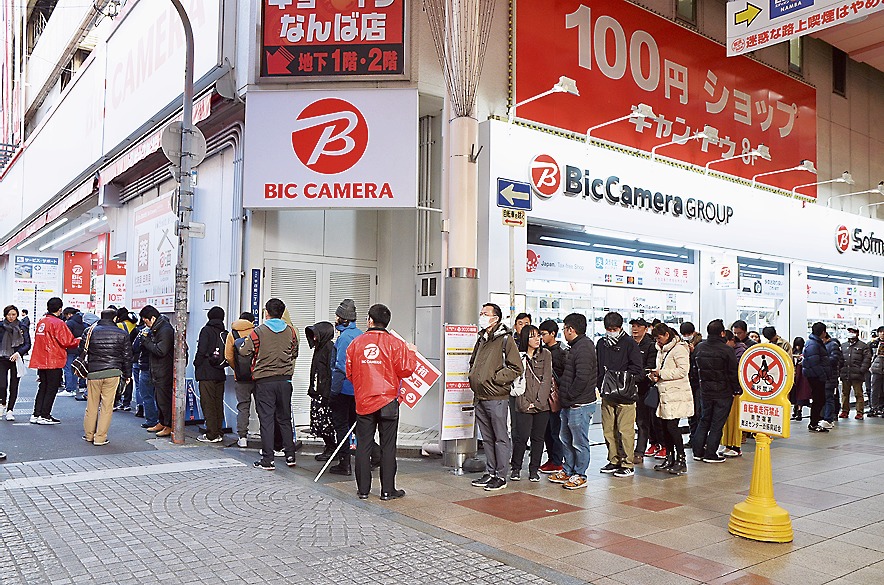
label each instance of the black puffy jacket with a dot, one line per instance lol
(77, 326)
(160, 344)
(717, 368)
(857, 361)
(109, 348)
(559, 357)
(621, 355)
(319, 338)
(213, 336)
(578, 381)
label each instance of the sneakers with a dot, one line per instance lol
(268, 466)
(609, 468)
(661, 454)
(127, 409)
(35, 420)
(843, 414)
(290, 461)
(47, 421)
(559, 477)
(496, 483)
(826, 424)
(817, 429)
(859, 416)
(9, 415)
(534, 476)
(652, 450)
(698, 457)
(575, 482)
(516, 475)
(100, 443)
(713, 459)
(731, 453)
(242, 442)
(66, 393)
(873, 413)
(482, 481)
(397, 494)
(550, 467)
(206, 439)
(624, 472)
(85, 438)
(279, 453)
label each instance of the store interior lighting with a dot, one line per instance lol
(845, 177)
(759, 151)
(707, 133)
(804, 165)
(640, 111)
(879, 189)
(79, 230)
(51, 227)
(869, 207)
(564, 85)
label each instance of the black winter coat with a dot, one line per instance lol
(836, 360)
(109, 348)
(816, 362)
(623, 356)
(559, 355)
(213, 336)
(577, 383)
(319, 338)
(141, 355)
(160, 344)
(77, 327)
(857, 361)
(717, 368)
(25, 347)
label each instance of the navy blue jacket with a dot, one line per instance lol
(816, 362)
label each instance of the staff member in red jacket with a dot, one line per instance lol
(52, 339)
(377, 362)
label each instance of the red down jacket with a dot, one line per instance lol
(377, 362)
(52, 339)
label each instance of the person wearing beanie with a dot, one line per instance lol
(209, 368)
(342, 402)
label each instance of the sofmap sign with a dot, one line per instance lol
(347, 149)
(861, 242)
(622, 55)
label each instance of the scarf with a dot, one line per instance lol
(12, 338)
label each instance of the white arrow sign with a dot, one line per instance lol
(512, 195)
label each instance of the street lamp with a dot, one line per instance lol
(804, 165)
(564, 85)
(760, 150)
(879, 189)
(870, 205)
(708, 133)
(844, 178)
(638, 112)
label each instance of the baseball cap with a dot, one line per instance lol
(640, 321)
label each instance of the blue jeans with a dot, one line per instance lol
(830, 408)
(575, 438)
(70, 380)
(553, 439)
(707, 436)
(146, 389)
(136, 372)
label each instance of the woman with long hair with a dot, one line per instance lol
(674, 388)
(532, 407)
(15, 342)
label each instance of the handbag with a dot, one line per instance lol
(80, 364)
(619, 387)
(652, 398)
(554, 404)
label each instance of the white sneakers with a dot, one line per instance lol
(206, 439)
(826, 424)
(242, 442)
(66, 393)
(9, 415)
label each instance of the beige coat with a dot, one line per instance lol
(673, 364)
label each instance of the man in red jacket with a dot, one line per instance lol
(52, 339)
(377, 362)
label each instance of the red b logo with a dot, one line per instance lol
(545, 176)
(842, 238)
(330, 136)
(533, 260)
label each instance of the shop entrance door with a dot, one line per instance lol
(312, 292)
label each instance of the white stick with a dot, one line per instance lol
(332, 458)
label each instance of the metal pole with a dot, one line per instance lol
(335, 454)
(184, 200)
(512, 275)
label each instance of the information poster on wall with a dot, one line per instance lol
(37, 279)
(77, 279)
(458, 410)
(115, 284)
(155, 255)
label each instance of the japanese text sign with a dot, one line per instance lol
(419, 383)
(766, 375)
(77, 273)
(758, 23)
(333, 38)
(622, 55)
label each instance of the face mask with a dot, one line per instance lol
(612, 335)
(484, 321)
(851, 336)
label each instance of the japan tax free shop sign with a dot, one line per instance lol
(766, 375)
(331, 150)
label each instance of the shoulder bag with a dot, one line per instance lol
(619, 387)
(652, 398)
(80, 364)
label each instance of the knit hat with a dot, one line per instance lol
(347, 310)
(216, 313)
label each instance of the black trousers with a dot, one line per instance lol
(385, 422)
(693, 421)
(650, 427)
(8, 381)
(674, 443)
(273, 401)
(163, 397)
(530, 426)
(212, 403)
(817, 399)
(343, 409)
(50, 380)
(707, 436)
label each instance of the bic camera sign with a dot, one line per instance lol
(347, 149)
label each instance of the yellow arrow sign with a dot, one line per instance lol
(748, 15)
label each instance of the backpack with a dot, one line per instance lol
(216, 358)
(242, 365)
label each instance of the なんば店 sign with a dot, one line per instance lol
(622, 55)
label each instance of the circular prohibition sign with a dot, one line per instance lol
(766, 371)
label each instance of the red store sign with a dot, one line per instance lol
(333, 38)
(622, 55)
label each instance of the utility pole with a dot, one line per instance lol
(184, 209)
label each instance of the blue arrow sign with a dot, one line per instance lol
(513, 194)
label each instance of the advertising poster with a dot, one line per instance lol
(115, 284)
(319, 39)
(458, 411)
(424, 376)
(77, 280)
(37, 279)
(155, 255)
